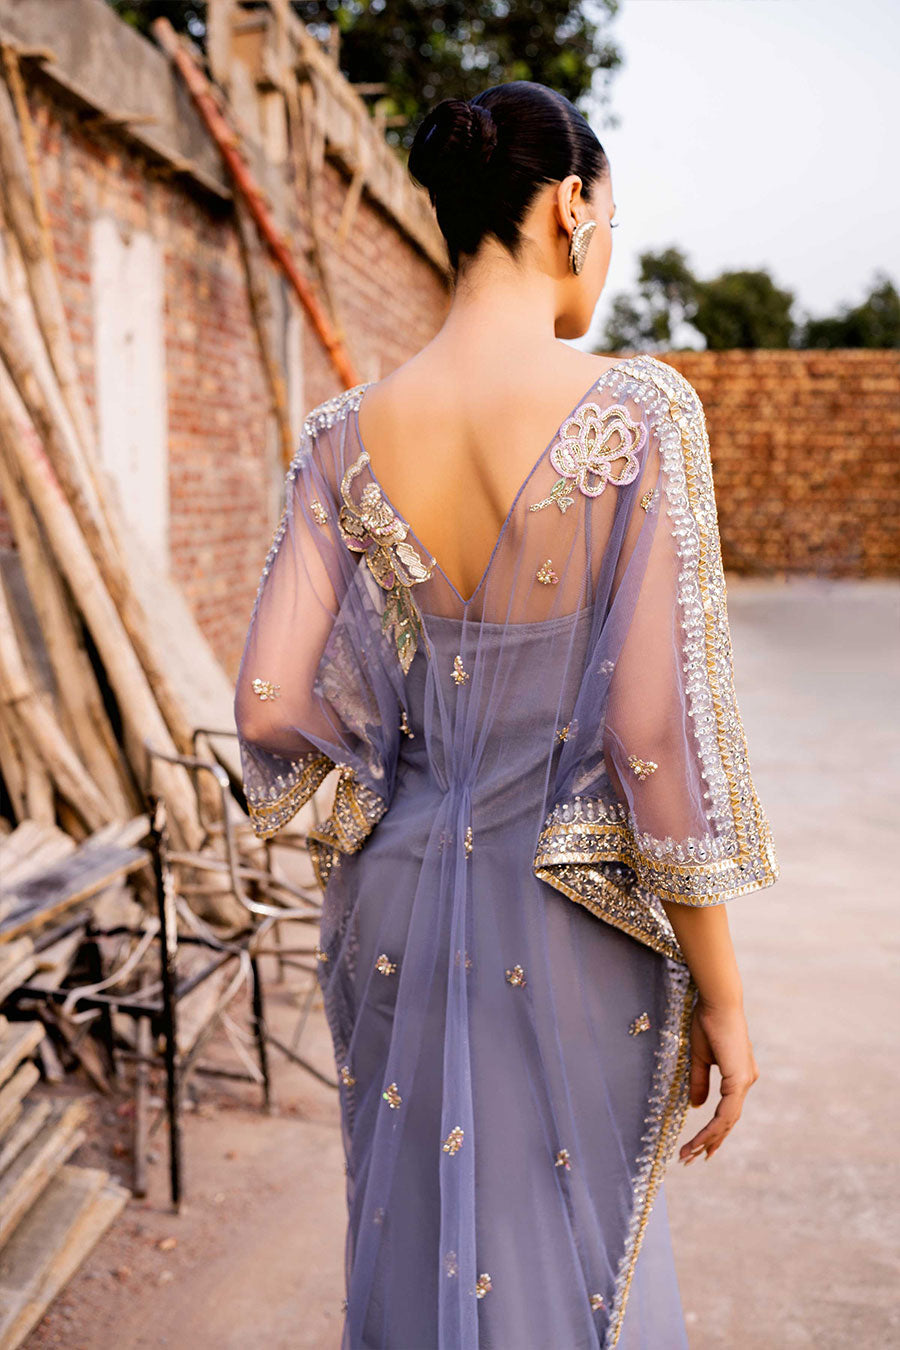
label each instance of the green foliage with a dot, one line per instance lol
(874, 323)
(185, 16)
(425, 52)
(739, 309)
(743, 309)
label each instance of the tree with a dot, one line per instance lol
(424, 52)
(665, 298)
(874, 323)
(743, 309)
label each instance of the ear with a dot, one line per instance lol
(567, 201)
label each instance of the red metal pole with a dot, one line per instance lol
(227, 141)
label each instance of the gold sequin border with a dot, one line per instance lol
(669, 1101)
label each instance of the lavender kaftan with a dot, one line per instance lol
(523, 775)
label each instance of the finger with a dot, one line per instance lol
(711, 1136)
(699, 1081)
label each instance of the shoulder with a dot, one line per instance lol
(678, 396)
(334, 409)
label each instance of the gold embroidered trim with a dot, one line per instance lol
(371, 528)
(669, 1100)
(268, 814)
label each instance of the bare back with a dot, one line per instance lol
(451, 449)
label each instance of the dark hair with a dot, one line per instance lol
(484, 160)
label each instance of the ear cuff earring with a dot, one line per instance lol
(578, 244)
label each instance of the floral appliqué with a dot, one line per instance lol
(370, 527)
(590, 444)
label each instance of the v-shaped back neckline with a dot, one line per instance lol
(595, 384)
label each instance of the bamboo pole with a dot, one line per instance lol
(23, 204)
(246, 185)
(261, 312)
(41, 729)
(81, 712)
(140, 714)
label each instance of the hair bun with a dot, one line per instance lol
(455, 141)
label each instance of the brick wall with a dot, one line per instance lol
(806, 458)
(806, 445)
(390, 298)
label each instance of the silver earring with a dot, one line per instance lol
(578, 244)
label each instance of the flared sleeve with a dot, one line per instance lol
(316, 689)
(662, 805)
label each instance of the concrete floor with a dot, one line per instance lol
(788, 1237)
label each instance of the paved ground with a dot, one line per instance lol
(788, 1237)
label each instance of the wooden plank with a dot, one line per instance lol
(74, 879)
(25, 1128)
(16, 973)
(11, 1093)
(50, 1244)
(23, 1182)
(22, 1039)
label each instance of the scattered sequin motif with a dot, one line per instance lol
(453, 1142)
(647, 499)
(640, 1023)
(265, 690)
(378, 1216)
(563, 1159)
(468, 842)
(392, 1096)
(320, 953)
(563, 733)
(546, 575)
(346, 1076)
(404, 725)
(607, 667)
(516, 975)
(483, 1285)
(459, 674)
(597, 1302)
(451, 1264)
(468, 959)
(642, 768)
(320, 515)
(384, 965)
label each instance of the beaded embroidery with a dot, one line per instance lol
(392, 1096)
(563, 1159)
(370, 527)
(320, 515)
(265, 690)
(597, 1302)
(640, 1023)
(483, 1285)
(546, 575)
(642, 768)
(516, 975)
(453, 1142)
(468, 842)
(384, 965)
(459, 674)
(589, 445)
(346, 1076)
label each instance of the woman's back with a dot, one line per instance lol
(451, 439)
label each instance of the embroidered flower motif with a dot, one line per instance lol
(483, 1285)
(392, 1096)
(370, 527)
(563, 733)
(647, 499)
(546, 575)
(516, 975)
(265, 690)
(563, 1159)
(404, 725)
(346, 1076)
(384, 965)
(459, 674)
(597, 1302)
(451, 1264)
(320, 953)
(453, 1142)
(468, 841)
(589, 445)
(640, 1023)
(320, 515)
(642, 768)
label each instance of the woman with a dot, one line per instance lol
(519, 660)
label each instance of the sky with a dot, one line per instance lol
(757, 134)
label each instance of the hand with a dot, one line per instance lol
(718, 1036)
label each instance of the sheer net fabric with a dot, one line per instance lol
(523, 775)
